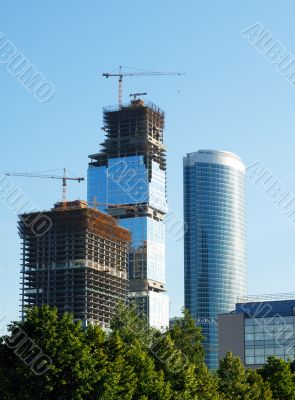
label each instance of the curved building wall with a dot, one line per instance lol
(215, 239)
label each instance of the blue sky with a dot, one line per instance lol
(231, 98)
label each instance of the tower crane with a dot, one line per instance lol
(135, 95)
(122, 74)
(64, 179)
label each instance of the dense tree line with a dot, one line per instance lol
(51, 357)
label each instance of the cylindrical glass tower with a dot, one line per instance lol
(215, 240)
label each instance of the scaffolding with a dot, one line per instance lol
(133, 129)
(78, 266)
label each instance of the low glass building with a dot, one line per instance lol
(214, 242)
(259, 328)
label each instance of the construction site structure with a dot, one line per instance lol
(133, 129)
(127, 178)
(79, 265)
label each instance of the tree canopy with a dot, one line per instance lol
(52, 357)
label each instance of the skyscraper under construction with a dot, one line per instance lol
(127, 178)
(78, 265)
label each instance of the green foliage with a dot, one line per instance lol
(237, 383)
(233, 379)
(280, 377)
(131, 362)
(74, 370)
(188, 338)
(259, 390)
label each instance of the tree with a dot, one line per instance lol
(73, 370)
(189, 380)
(259, 390)
(121, 380)
(151, 382)
(130, 362)
(278, 374)
(237, 383)
(233, 379)
(85, 364)
(188, 338)
(138, 339)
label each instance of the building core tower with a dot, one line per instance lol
(127, 178)
(215, 240)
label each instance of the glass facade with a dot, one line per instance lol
(158, 310)
(136, 184)
(126, 182)
(147, 252)
(214, 243)
(269, 336)
(155, 305)
(269, 329)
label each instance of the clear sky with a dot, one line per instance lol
(231, 98)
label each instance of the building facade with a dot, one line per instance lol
(79, 265)
(127, 179)
(214, 241)
(259, 328)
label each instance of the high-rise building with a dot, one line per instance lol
(79, 265)
(259, 327)
(214, 242)
(127, 178)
